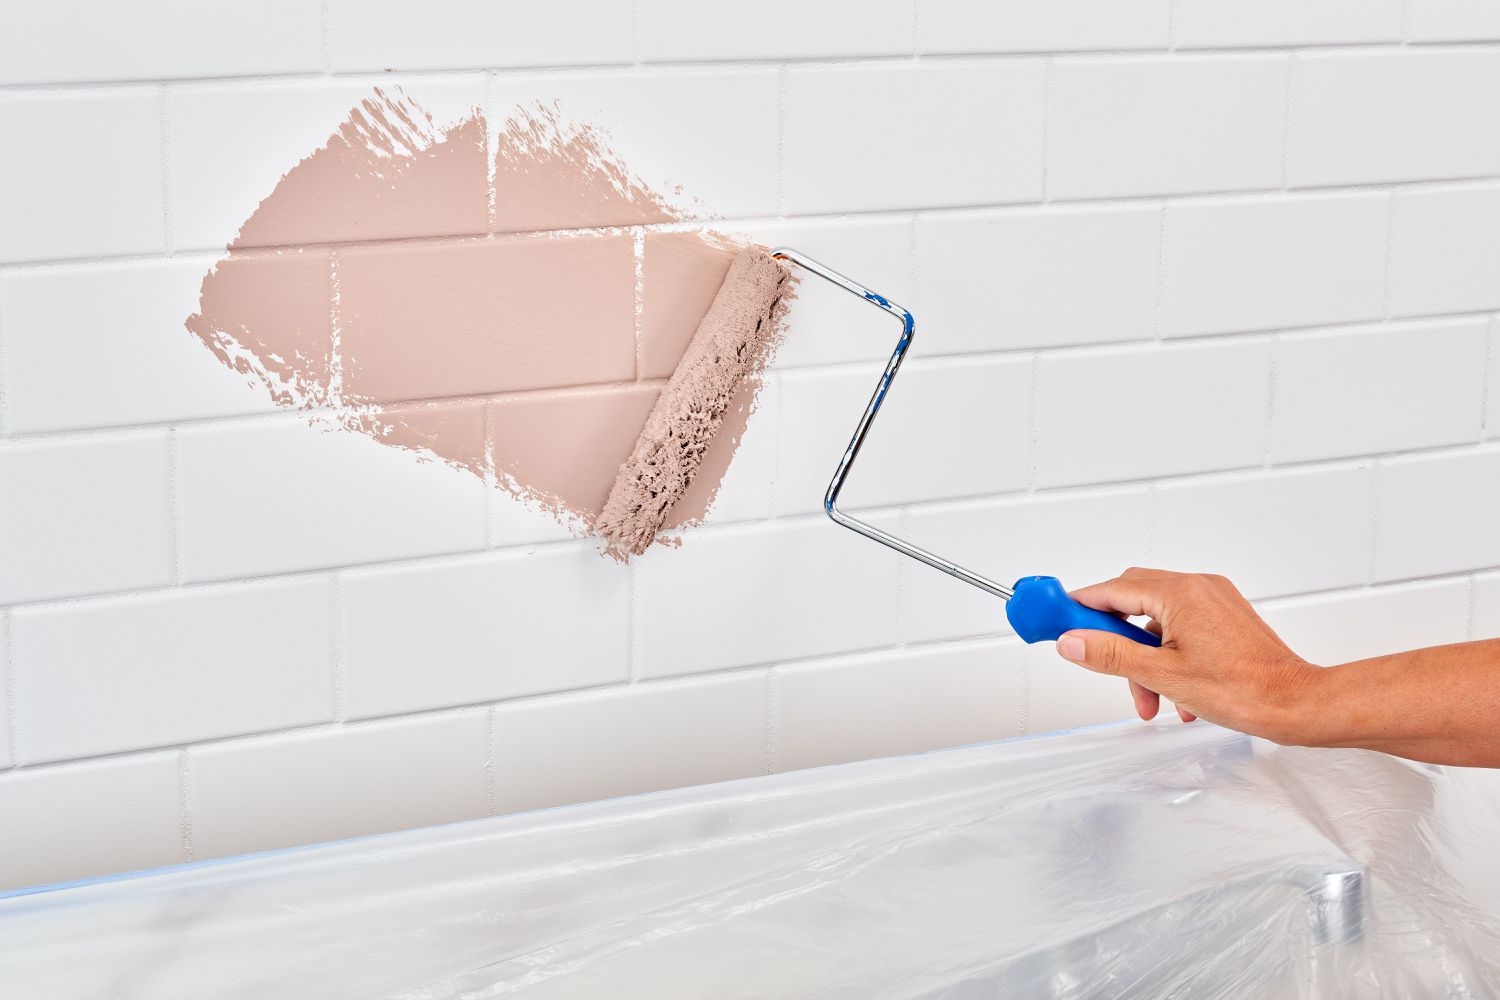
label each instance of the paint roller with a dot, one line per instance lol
(733, 341)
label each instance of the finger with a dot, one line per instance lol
(1147, 702)
(1127, 595)
(1185, 715)
(1154, 627)
(1107, 653)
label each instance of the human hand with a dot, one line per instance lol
(1218, 660)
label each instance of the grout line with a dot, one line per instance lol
(1023, 711)
(336, 649)
(1034, 423)
(9, 686)
(1270, 434)
(491, 124)
(185, 803)
(1152, 508)
(635, 33)
(491, 744)
(1469, 612)
(1488, 405)
(1390, 256)
(4, 385)
(335, 333)
(903, 529)
(325, 35)
(1373, 526)
(1158, 323)
(781, 102)
(174, 508)
(773, 719)
(1048, 71)
(638, 249)
(491, 481)
(913, 268)
(164, 126)
(633, 634)
(1286, 119)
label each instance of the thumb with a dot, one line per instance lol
(1108, 653)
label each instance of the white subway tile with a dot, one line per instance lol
(1040, 25)
(645, 116)
(1080, 539)
(867, 137)
(741, 596)
(1360, 117)
(75, 40)
(304, 788)
(101, 346)
(459, 34)
(82, 175)
(1341, 628)
(88, 820)
(1436, 514)
(1378, 389)
(128, 673)
(280, 495)
(230, 144)
(1037, 277)
(691, 30)
(482, 629)
(1135, 126)
(1486, 612)
(1062, 695)
(1452, 20)
(83, 517)
(896, 703)
(744, 493)
(1213, 24)
(1134, 413)
(826, 324)
(1269, 533)
(1445, 254)
(946, 429)
(579, 748)
(1264, 262)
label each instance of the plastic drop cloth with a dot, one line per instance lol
(1126, 861)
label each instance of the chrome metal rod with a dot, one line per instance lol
(887, 378)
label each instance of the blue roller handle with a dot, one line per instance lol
(1040, 609)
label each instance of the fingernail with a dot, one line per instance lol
(1070, 647)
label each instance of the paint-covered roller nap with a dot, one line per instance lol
(733, 342)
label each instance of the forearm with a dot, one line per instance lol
(1440, 705)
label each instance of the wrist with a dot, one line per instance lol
(1299, 714)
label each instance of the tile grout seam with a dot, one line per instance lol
(174, 507)
(9, 686)
(338, 682)
(491, 745)
(771, 742)
(164, 126)
(185, 804)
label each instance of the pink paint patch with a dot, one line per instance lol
(386, 283)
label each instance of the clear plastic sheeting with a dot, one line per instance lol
(1127, 861)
